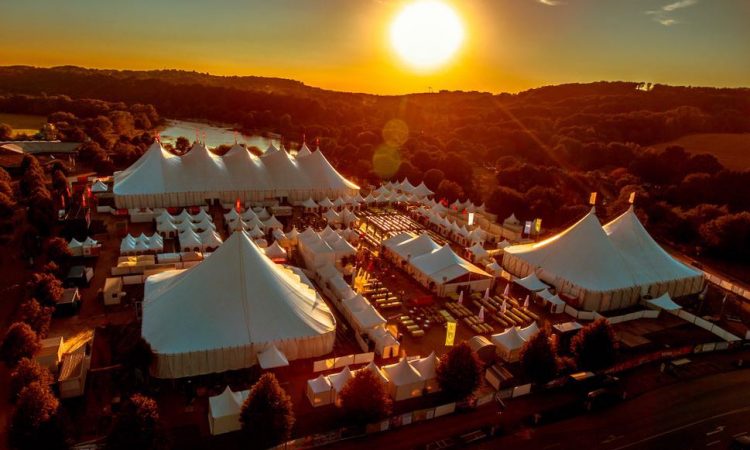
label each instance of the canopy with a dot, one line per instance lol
(407, 247)
(664, 302)
(402, 373)
(339, 380)
(219, 314)
(509, 339)
(650, 264)
(161, 179)
(529, 331)
(224, 411)
(478, 251)
(444, 265)
(275, 251)
(426, 366)
(272, 358)
(531, 283)
(372, 367)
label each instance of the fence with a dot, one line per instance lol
(731, 287)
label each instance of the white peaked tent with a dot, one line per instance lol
(422, 190)
(445, 268)
(249, 215)
(224, 411)
(310, 205)
(326, 203)
(255, 232)
(210, 239)
(655, 270)
(509, 344)
(478, 251)
(406, 246)
(339, 380)
(261, 214)
(185, 226)
(205, 224)
(183, 216)
(664, 302)
(512, 221)
(531, 283)
(427, 368)
(293, 236)
(272, 358)
(76, 247)
(494, 268)
(332, 216)
(404, 381)
(372, 367)
(581, 262)
(232, 215)
(161, 179)
(303, 151)
(529, 331)
(99, 187)
(219, 314)
(556, 305)
(189, 240)
(201, 216)
(275, 251)
(319, 391)
(167, 228)
(272, 223)
(386, 344)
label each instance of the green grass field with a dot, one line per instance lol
(732, 149)
(23, 123)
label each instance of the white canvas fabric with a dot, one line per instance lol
(161, 179)
(219, 314)
(664, 302)
(404, 381)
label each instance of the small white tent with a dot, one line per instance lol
(404, 381)
(319, 391)
(224, 411)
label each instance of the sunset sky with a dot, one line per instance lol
(509, 45)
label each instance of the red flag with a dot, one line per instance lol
(238, 206)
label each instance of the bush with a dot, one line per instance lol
(26, 372)
(459, 372)
(538, 358)
(20, 342)
(38, 317)
(267, 416)
(35, 422)
(137, 426)
(46, 288)
(594, 346)
(364, 399)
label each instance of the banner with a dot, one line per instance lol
(450, 334)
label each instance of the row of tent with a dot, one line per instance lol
(451, 229)
(162, 179)
(206, 240)
(346, 217)
(604, 267)
(324, 247)
(406, 187)
(131, 245)
(435, 266)
(402, 380)
(86, 248)
(311, 205)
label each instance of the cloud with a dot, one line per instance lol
(663, 15)
(550, 2)
(679, 5)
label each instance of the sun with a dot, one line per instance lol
(426, 34)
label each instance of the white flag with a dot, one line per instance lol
(506, 292)
(461, 298)
(481, 313)
(487, 293)
(526, 303)
(504, 307)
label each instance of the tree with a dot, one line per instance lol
(267, 416)
(45, 288)
(26, 372)
(6, 132)
(449, 190)
(38, 317)
(459, 372)
(594, 346)
(58, 251)
(35, 422)
(432, 178)
(20, 342)
(182, 144)
(538, 358)
(137, 426)
(7, 205)
(364, 399)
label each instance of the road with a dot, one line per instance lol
(701, 414)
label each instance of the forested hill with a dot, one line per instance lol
(538, 153)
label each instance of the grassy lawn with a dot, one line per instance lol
(732, 149)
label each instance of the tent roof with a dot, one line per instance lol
(665, 302)
(319, 385)
(509, 339)
(402, 373)
(529, 331)
(478, 250)
(74, 243)
(228, 403)
(372, 367)
(582, 254)
(531, 282)
(444, 263)
(368, 317)
(99, 186)
(647, 260)
(422, 190)
(414, 246)
(426, 366)
(309, 203)
(237, 297)
(338, 380)
(549, 297)
(271, 358)
(275, 250)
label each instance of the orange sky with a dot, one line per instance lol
(510, 45)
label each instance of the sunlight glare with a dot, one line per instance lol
(426, 33)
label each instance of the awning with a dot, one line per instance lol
(664, 302)
(531, 283)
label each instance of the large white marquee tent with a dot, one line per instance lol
(162, 179)
(605, 268)
(220, 314)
